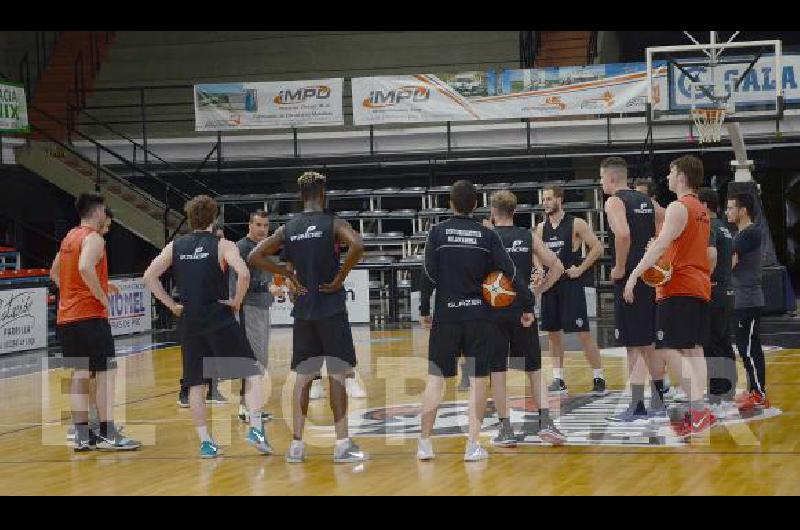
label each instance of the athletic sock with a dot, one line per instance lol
(106, 427)
(637, 397)
(598, 374)
(544, 417)
(82, 431)
(344, 442)
(202, 432)
(557, 373)
(657, 394)
(255, 420)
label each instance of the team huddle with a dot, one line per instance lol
(678, 274)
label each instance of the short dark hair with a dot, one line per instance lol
(692, 168)
(202, 211)
(557, 192)
(746, 201)
(87, 202)
(311, 184)
(652, 189)
(710, 198)
(258, 213)
(615, 162)
(464, 196)
(504, 202)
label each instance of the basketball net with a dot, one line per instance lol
(709, 124)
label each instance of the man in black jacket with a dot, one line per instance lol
(459, 253)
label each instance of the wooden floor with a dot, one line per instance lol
(763, 454)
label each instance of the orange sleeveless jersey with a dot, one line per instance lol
(76, 301)
(691, 271)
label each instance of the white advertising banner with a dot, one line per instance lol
(757, 87)
(23, 319)
(130, 309)
(268, 105)
(564, 91)
(357, 288)
(13, 108)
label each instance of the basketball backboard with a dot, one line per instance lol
(745, 78)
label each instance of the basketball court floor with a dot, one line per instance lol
(599, 459)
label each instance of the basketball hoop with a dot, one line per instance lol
(709, 123)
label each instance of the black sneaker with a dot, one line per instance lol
(599, 387)
(183, 398)
(557, 388)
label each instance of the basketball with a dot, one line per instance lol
(658, 274)
(497, 290)
(278, 280)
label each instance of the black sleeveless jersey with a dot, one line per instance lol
(201, 283)
(310, 246)
(519, 245)
(559, 240)
(641, 216)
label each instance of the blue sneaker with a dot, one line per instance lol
(258, 439)
(658, 415)
(209, 450)
(630, 416)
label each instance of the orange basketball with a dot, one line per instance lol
(498, 290)
(658, 274)
(277, 280)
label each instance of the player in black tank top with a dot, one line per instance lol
(212, 344)
(563, 308)
(513, 340)
(321, 331)
(632, 224)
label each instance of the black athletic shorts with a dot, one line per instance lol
(634, 324)
(448, 340)
(328, 340)
(87, 344)
(223, 353)
(682, 323)
(515, 346)
(564, 307)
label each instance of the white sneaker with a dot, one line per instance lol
(677, 395)
(354, 390)
(297, 452)
(425, 449)
(317, 390)
(475, 452)
(725, 409)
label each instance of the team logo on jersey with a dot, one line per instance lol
(198, 254)
(516, 246)
(616, 333)
(660, 334)
(310, 233)
(581, 417)
(644, 208)
(579, 322)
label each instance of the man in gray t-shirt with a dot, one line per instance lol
(254, 316)
(748, 299)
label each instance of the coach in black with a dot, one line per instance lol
(459, 253)
(718, 351)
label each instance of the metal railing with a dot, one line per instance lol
(43, 50)
(174, 198)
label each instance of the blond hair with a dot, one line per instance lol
(504, 202)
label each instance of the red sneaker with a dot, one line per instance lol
(701, 420)
(752, 401)
(682, 428)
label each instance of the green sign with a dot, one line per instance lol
(13, 108)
